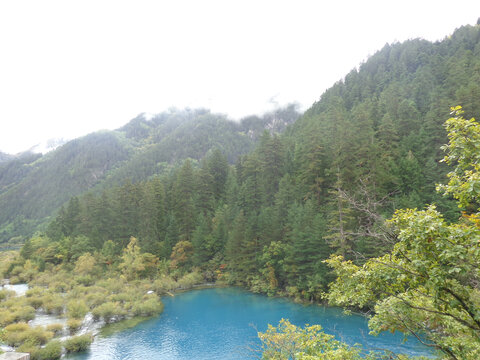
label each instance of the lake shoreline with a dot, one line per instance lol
(193, 319)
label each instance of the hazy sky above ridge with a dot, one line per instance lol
(68, 68)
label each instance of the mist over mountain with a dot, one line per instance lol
(4, 157)
(33, 185)
(382, 126)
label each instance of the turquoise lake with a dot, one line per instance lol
(222, 323)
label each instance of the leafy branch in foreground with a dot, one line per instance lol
(287, 341)
(428, 285)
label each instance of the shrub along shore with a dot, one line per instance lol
(89, 295)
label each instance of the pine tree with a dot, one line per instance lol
(306, 249)
(235, 250)
(152, 216)
(184, 189)
(204, 194)
(172, 236)
(272, 164)
(340, 222)
(202, 242)
(71, 217)
(218, 168)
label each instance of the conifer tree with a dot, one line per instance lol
(202, 242)
(218, 167)
(152, 216)
(184, 189)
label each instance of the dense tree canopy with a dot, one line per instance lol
(428, 285)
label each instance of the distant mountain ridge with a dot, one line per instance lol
(33, 186)
(5, 157)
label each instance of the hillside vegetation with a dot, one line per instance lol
(321, 190)
(33, 187)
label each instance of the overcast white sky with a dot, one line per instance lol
(68, 68)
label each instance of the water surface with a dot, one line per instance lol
(222, 323)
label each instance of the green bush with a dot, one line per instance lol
(15, 334)
(15, 310)
(108, 311)
(112, 285)
(149, 307)
(5, 294)
(15, 272)
(16, 280)
(60, 287)
(19, 333)
(77, 309)
(51, 351)
(17, 327)
(53, 304)
(86, 280)
(78, 343)
(35, 301)
(73, 325)
(56, 329)
(32, 349)
(95, 299)
(34, 292)
(24, 313)
(121, 297)
(6, 317)
(187, 281)
(38, 335)
(164, 284)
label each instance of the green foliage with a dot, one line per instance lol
(51, 351)
(77, 309)
(288, 341)
(19, 333)
(463, 151)
(108, 311)
(135, 264)
(85, 264)
(182, 255)
(73, 325)
(189, 280)
(51, 180)
(78, 343)
(148, 307)
(427, 285)
(14, 333)
(15, 311)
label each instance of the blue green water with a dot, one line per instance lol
(222, 323)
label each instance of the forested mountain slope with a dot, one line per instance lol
(370, 145)
(33, 187)
(385, 120)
